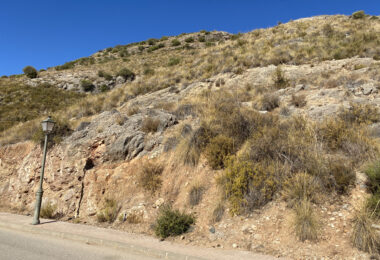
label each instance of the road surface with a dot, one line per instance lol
(15, 245)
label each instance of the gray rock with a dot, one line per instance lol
(120, 80)
(368, 89)
(299, 87)
(127, 146)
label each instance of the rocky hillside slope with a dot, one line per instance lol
(222, 126)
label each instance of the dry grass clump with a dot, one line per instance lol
(302, 186)
(150, 125)
(132, 110)
(109, 211)
(217, 213)
(364, 236)
(269, 101)
(150, 176)
(298, 100)
(305, 222)
(279, 79)
(48, 210)
(360, 114)
(195, 194)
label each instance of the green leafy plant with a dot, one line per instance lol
(172, 222)
(126, 74)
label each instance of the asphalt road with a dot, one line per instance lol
(16, 245)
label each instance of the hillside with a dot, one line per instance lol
(269, 138)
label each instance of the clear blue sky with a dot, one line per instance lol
(49, 33)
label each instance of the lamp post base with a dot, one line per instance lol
(36, 219)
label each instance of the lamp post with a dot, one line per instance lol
(47, 127)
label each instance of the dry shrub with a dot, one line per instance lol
(48, 210)
(132, 110)
(373, 177)
(190, 147)
(269, 101)
(150, 176)
(109, 211)
(150, 125)
(298, 100)
(279, 79)
(302, 186)
(305, 223)
(195, 194)
(360, 114)
(364, 237)
(344, 175)
(217, 150)
(217, 213)
(134, 218)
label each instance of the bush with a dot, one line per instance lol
(305, 223)
(174, 61)
(269, 101)
(132, 110)
(360, 114)
(104, 88)
(358, 15)
(189, 39)
(364, 237)
(172, 222)
(201, 38)
(87, 85)
(298, 100)
(150, 176)
(247, 185)
(217, 213)
(373, 174)
(48, 210)
(195, 195)
(176, 42)
(104, 74)
(217, 151)
(109, 211)
(150, 125)
(152, 41)
(302, 186)
(126, 74)
(279, 79)
(30, 72)
(344, 175)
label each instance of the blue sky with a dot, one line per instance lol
(49, 33)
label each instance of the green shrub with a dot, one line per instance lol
(164, 38)
(195, 194)
(172, 222)
(150, 176)
(217, 151)
(156, 47)
(201, 38)
(104, 74)
(152, 41)
(150, 125)
(358, 15)
(373, 174)
(247, 185)
(87, 85)
(175, 42)
(174, 61)
(48, 210)
(104, 88)
(149, 72)
(189, 39)
(109, 211)
(67, 65)
(305, 222)
(30, 72)
(126, 74)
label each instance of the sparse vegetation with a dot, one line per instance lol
(172, 222)
(217, 213)
(279, 79)
(195, 194)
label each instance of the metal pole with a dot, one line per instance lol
(36, 219)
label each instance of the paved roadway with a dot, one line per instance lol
(16, 245)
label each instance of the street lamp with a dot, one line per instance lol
(47, 127)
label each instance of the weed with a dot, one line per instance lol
(302, 186)
(305, 222)
(364, 237)
(175, 42)
(279, 79)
